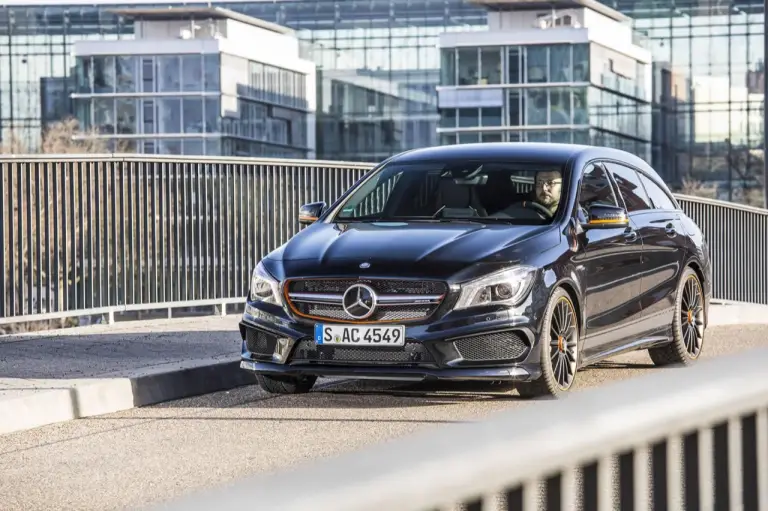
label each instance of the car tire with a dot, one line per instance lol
(286, 384)
(559, 339)
(687, 325)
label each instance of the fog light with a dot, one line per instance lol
(282, 348)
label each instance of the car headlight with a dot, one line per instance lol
(506, 287)
(264, 287)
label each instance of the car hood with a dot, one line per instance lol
(407, 247)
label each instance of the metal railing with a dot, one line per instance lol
(691, 438)
(114, 233)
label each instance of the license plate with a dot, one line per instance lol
(360, 335)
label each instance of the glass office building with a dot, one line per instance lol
(572, 75)
(202, 81)
(378, 66)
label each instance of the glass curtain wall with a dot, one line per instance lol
(173, 95)
(707, 95)
(708, 75)
(546, 94)
(377, 64)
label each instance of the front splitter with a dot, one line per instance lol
(395, 373)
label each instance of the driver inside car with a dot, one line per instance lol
(548, 187)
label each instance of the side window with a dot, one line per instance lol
(658, 196)
(630, 187)
(596, 188)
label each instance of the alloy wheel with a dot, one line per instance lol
(692, 317)
(563, 343)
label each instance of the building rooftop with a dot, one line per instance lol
(185, 13)
(537, 5)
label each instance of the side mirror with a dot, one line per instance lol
(601, 216)
(309, 213)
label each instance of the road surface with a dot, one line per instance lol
(145, 455)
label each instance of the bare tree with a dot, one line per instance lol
(696, 188)
(24, 192)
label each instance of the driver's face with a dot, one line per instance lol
(548, 188)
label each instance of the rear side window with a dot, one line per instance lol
(630, 187)
(658, 196)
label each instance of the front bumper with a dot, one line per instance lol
(491, 345)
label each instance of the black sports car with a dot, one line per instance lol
(514, 262)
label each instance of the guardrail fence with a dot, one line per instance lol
(114, 233)
(694, 438)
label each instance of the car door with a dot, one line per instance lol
(610, 262)
(666, 255)
(658, 230)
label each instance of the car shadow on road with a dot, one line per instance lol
(356, 394)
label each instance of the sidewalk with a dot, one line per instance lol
(51, 377)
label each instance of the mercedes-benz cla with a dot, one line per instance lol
(509, 262)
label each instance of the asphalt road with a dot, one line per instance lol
(142, 456)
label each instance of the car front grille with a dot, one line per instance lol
(491, 347)
(399, 301)
(413, 353)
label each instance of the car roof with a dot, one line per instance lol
(534, 152)
(498, 151)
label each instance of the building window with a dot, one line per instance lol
(212, 72)
(514, 65)
(513, 105)
(538, 66)
(560, 67)
(490, 61)
(468, 118)
(536, 102)
(84, 74)
(125, 73)
(193, 115)
(468, 64)
(191, 73)
(448, 66)
(490, 117)
(148, 74)
(169, 71)
(169, 115)
(491, 136)
(103, 75)
(560, 106)
(126, 116)
(580, 62)
(448, 118)
(104, 115)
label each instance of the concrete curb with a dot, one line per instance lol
(98, 396)
(737, 313)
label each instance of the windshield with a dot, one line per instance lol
(489, 192)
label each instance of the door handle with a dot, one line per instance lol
(670, 230)
(630, 235)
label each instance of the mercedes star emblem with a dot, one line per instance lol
(359, 301)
